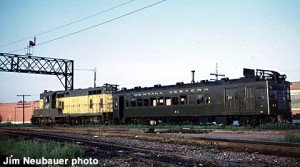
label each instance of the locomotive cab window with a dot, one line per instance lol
(94, 92)
(47, 99)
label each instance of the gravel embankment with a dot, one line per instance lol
(214, 155)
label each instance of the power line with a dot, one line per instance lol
(104, 11)
(102, 23)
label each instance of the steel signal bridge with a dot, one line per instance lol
(62, 68)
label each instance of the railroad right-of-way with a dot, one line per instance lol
(166, 148)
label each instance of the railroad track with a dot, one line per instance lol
(104, 148)
(153, 156)
(268, 147)
(149, 156)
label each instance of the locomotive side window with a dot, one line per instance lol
(132, 103)
(273, 94)
(101, 103)
(116, 104)
(175, 100)
(207, 99)
(192, 99)
(183, 99)
(91, 103)
(200, 98)
(146, 102)
(168, 101)
(203, 99)
(160, 101)
(249, 92)
(260, 93)
(288, 93)
(139, 102)
(126, 103)
(231, 93)
(153, 101)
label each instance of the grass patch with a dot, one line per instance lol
(9, 124)
(37, 149)
(291, 138)
(279, 126)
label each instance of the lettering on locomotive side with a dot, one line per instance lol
(149, 93)
(172, 92)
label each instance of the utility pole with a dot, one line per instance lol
(217, 74)
(23, 107)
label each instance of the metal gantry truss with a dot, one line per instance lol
(62, 68)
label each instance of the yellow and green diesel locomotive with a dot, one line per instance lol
(79, 106)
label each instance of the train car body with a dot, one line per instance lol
(253, 99)
(80, 106)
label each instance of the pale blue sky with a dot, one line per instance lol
(159, 45)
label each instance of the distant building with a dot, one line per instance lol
(295, 97)
(13, 112)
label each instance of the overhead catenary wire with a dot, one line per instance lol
(68, 24)
(102, 23)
